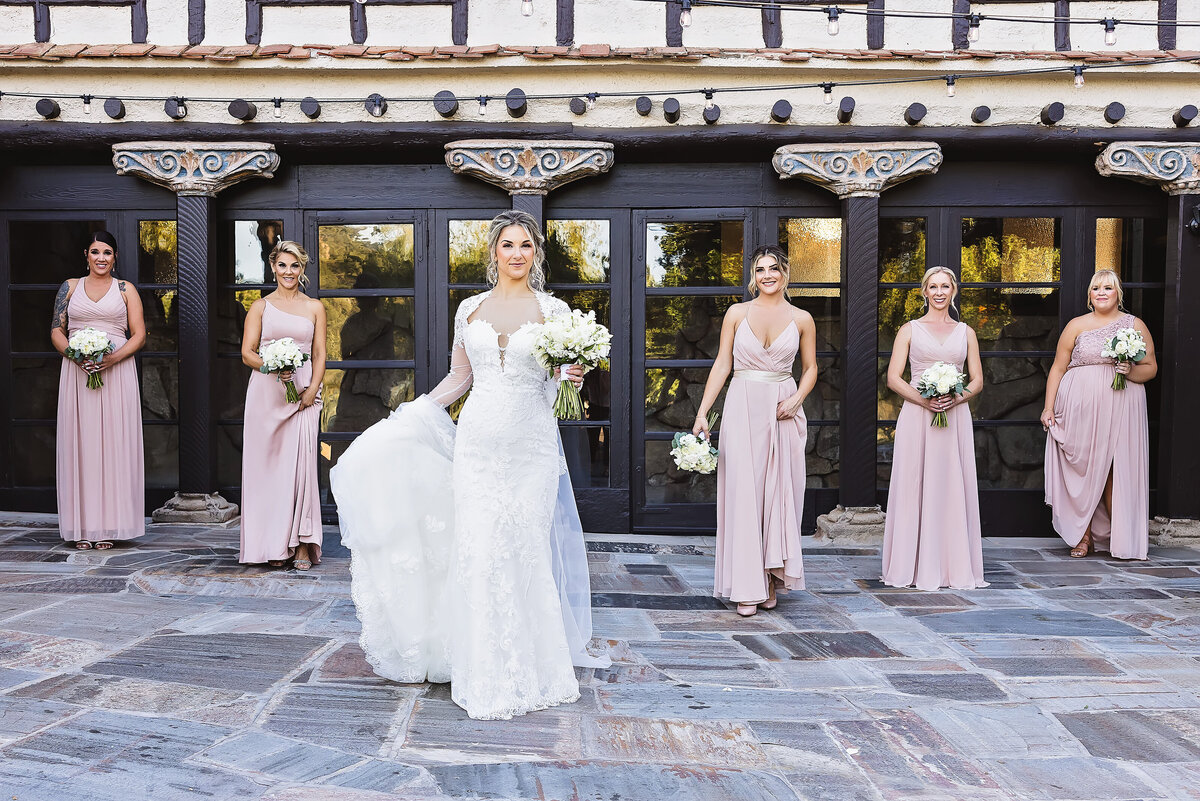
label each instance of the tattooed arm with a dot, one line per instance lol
(58, 322)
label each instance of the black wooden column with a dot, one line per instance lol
(197, 442)
(534, 205)
(860, 326)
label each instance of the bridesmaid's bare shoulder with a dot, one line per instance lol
(256, 308)
(737, 312)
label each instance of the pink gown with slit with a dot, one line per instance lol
(1099, 429)
(100, 463)
(760, 472)
(281, 505)
(932, 535)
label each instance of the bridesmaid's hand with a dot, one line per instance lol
(701, 427)
(1047, 419)
(308, 397)
(939, 403)
(91, 367)
(1123, 367)
(787, 409)
(286, 375)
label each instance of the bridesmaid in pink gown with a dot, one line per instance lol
(1097, 451)
(760, 466)
(281, 505)
(101, 479)
(932, 535)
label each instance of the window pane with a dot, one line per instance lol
(38, 382)
(229, 455)
(468, 251)
(826, 311)
(1004, 320)
(36, 466)
(157, 246)
(825, 400)
(1010, 457)
(814, 250)
(252, 242)
(822, 456)
(328, 454)
(31, 316)
(694, 254)
(885, 449)
(685, 327)
(50, 251)
(897, 307)
(231, 378)
(587, 451)
(354, 400)
(232, 308)
(160, 389)
(673, 398)
(161, 315)
(369, 328)
(1011, 249)
(887, 403)
(366, 256)
(162, 456)
(1134, 248)
(577, 251)
(901, 249)
(1014, 388)
(666, 483)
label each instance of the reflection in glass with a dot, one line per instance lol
(666, 483)
(673, 397)
(885, 449)
(162, 319)
(36, 467)
(694, 253)
(160, 388)
(1014, 388)
(685, 326)
(366, 256)
(897, 307)
(253, 241)
(1011, 250)
(328, 454)
(38, 382)
(827, 316)
(232, 308)
(887, 403)
(1006, 321)
(577, 251)
(229, 455)
(825, 400)
(354, 400)
(31, 315)
(814, 250)
(822, 456)
(50, 251)
(586, 450)
(230, 379)
(157, 247)
(1010, 457)
(1134, 248)
(162, 456)
(901, 249)
(468, 251)
(369, 328)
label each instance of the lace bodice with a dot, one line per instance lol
(1089, 343)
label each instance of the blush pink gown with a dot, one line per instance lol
(1099, 428)
(100, 465)
(932, 535)
(760, 472)
(281, 505)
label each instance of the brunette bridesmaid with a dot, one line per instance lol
(281, 508)
(101, 479)
(760, 466)
(1097, 451)
(932, 536)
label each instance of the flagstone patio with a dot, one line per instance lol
(167, 671)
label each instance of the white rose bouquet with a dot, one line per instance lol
(694, 454)
(89, 345)
(282, 355)
(571, 338)
(941, 379)
(1126, 346)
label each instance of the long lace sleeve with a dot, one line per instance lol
(457, 382)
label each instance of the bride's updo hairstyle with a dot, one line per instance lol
(537, 271)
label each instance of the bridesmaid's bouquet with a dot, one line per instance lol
(571, 338)
(1126, 346)
(282, 355)
(695, 454)
(941, 379)
(89, 345)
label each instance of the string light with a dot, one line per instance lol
(708, 98)
(526, 8)
(950, 80)
(1078, 77)
(591, 100)
(87, 104)
(685, 16)
(828, 87)
(482, 106)
(1110, 31)
(278, 103)
(973, 27)
(833, 12)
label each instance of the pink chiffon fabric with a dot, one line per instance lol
(1099, 428)
(281, 505)
(100, 463)
(932, 535)
(760, 474)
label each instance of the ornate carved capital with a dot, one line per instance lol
(195, 168)
(1174, 166)
(851, 170)
(528, 167)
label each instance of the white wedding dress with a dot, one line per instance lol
(468, 562)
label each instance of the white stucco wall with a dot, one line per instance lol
(16, 24)
(80, 23)
(620, 23)
(224, 22)
(501, 22)
(1129, 37)
(998, 35)
(409, 25)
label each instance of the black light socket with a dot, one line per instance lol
(915, 113)
(1052, 113)
(175, 108)
(1184, 116)
(516, 103)
(845, 109)
(48, 108)
(712, 114)
(671, 110)
(114, 108)
(242, 110)
(445, 103)
(1113, 113)
(578, 106)
(643, 105)
(980, 114)
(781, 111)
(310, 108)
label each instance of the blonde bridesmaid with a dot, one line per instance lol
(101, 478)
(281, 507)
(932, 535)
(1097, 451)
(760, 469)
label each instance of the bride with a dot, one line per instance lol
(468, 562)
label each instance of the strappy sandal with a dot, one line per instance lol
(103, 545)
(302, 564)
(83, 545)
(277, 563)
(1085, 545)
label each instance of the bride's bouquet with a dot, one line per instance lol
(89, 345)
(566, 339)
(282, 355)
(941, 379)
(1126, 346)
(695, 454)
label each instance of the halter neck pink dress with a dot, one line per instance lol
(760, 472)
(932, 534)
(100, 464)
(1097, 429)
(281, 504)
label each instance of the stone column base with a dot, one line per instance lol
(857, 525)
(1165, 531)
(195, 507)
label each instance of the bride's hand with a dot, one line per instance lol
(574, 374)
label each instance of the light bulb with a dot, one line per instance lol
(973, 28)
(482, 106)
(1110, 32)
(87, 104)
(591, 101)
(828, 94)
(950, 86)
(360, 2)
(685, 16)
(526, 8)
(278, 107)
(834, 26)
(708, 100)
(1078, 77)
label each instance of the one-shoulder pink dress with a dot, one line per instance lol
(932, 535)
(760, 472)
(1099, 428)
(281, 504)
(100, 463)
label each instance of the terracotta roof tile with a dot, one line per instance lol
(134, 50)
(201, 51)
(420, 51)
(274, 50)
(399, 57)
(33, 50)
(594, 50)
(161, 51)
(317, 46)
(554, 50)
(451, 50)
(348, 50)
(66, 50)
(240, 51)
(486, 49)
(382, 51)
(297, 53)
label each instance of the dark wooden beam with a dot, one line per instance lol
(196, 251)
(875, 25)
(138, 25)
(564, 31)
(772, 26)
(41, 22)
(674, 26)
(959, 25)
(195, 21)
(1062, 29)
(534, 205)
(860, 325)
(358, 22)
(1167, 29)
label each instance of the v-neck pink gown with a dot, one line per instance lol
(760, 472)
(1099, 428)
(281, 504)
(101, 474)
(932, 535)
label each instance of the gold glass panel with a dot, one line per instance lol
(685, 326)
(887, 403)
(1010, 457)
(1110, 244)
(666, 483)
(354, 400)
(370, 256)
(252, 242)
(369, 328)
(232, 308)
(901, 249)
(673, 397)
(1011, 250)
(694, 254)
(468, 251)
(897, 307)
(1007, 321)
(157, 252)
(814, 250)
(577, 251)
(1133, 247)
